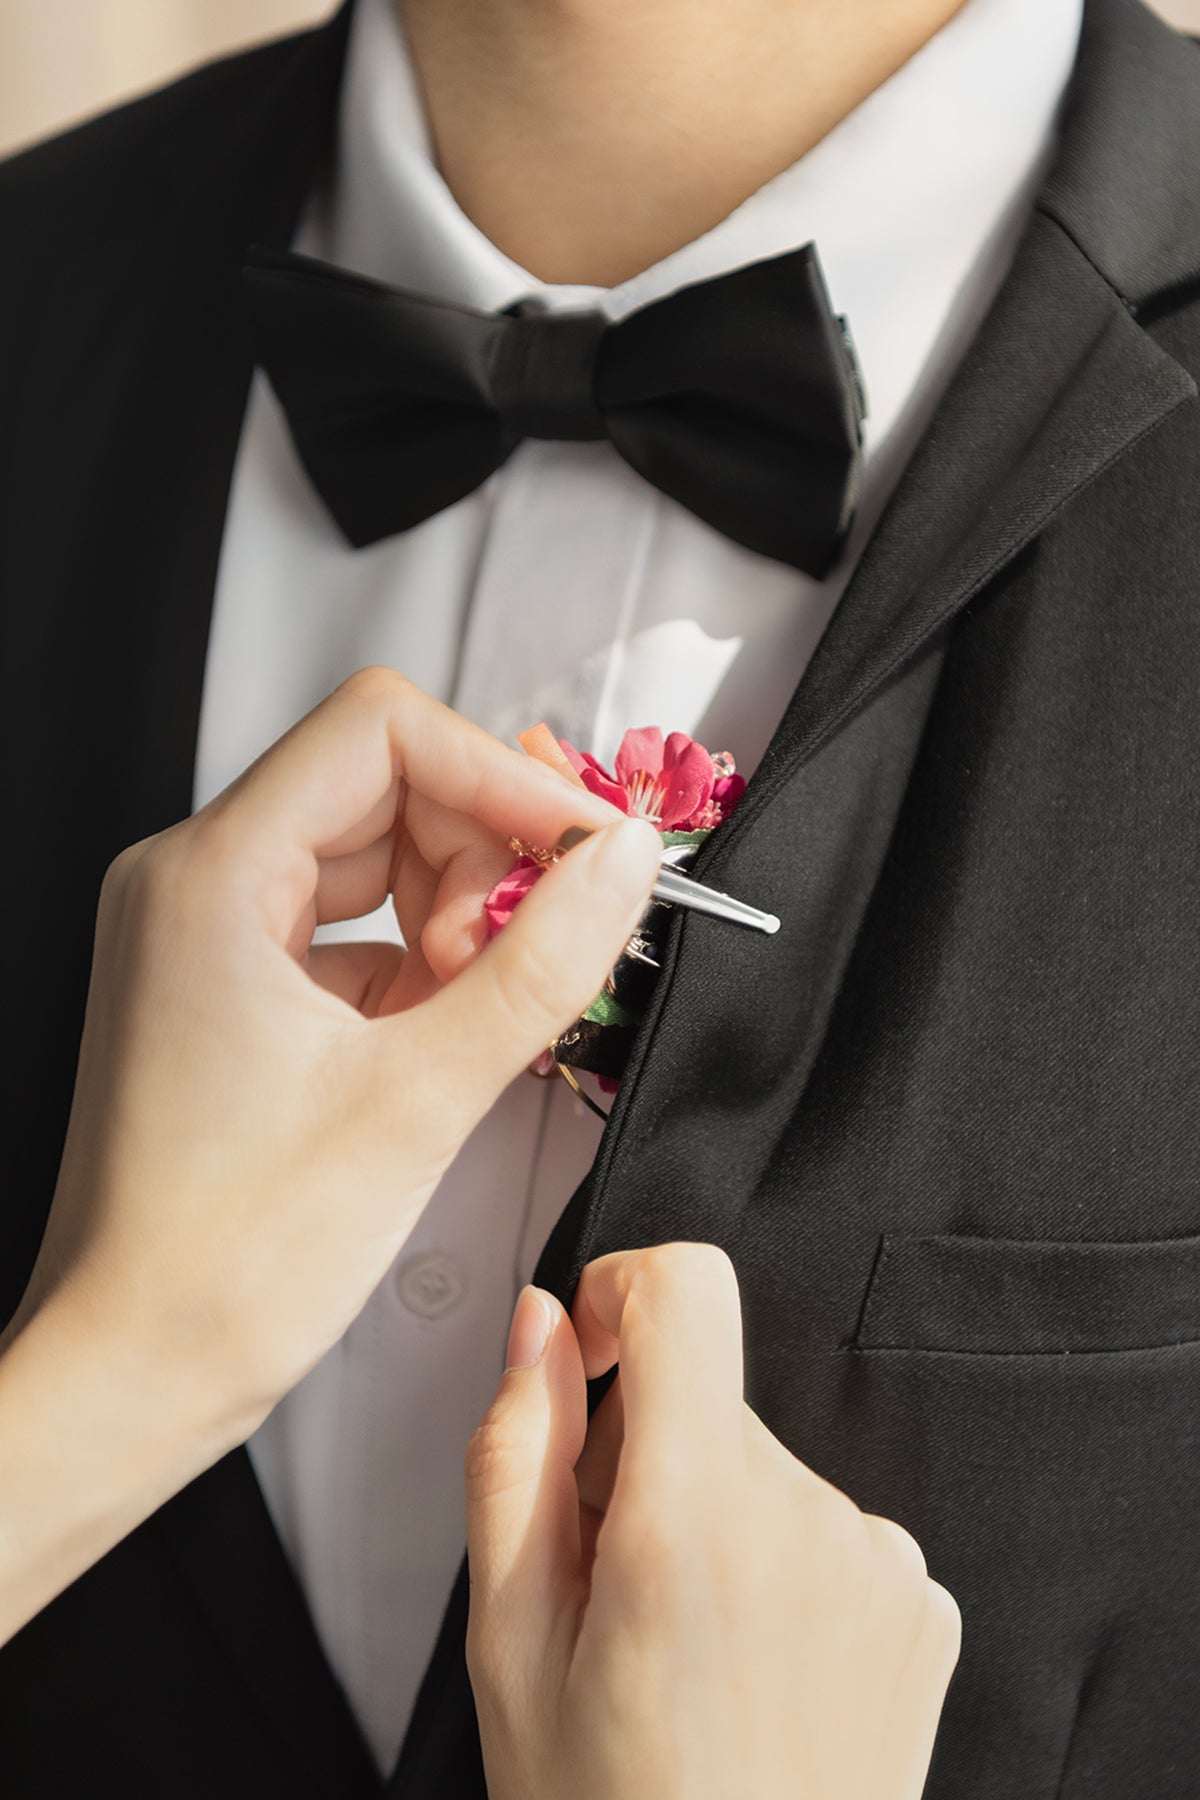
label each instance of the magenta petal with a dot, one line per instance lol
(641, 751)
(507, 894)
(727, 791)
(687, 779)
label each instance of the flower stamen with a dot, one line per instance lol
(646, 796)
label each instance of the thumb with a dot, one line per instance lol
(547, 965)
(522, 1502)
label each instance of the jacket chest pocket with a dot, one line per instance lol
(1011, 1297)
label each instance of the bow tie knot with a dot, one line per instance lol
(543, 375)
(739, 397)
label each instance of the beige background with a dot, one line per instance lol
(63, 59)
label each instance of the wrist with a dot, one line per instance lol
(183, 1370)
(160, 1385)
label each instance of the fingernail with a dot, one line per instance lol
(530, 1331)
(574, 834)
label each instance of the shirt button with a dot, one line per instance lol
(430, 1284)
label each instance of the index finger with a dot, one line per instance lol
(672, 1316)
(337, 764)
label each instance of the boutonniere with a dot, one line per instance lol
(687, 793)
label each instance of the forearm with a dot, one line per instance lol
(95, 1434)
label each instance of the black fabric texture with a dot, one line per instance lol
(946, 1123)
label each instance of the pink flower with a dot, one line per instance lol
(675, 784)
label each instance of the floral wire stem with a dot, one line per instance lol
(585, 1097)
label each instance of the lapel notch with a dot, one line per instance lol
(1060, 381)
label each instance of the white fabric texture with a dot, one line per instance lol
(565, 589)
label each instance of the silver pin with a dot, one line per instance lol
(681, 890)
(677, 889)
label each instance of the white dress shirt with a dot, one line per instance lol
(565, 589)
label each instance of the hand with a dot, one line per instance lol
(258, 1122)
(666, 1604)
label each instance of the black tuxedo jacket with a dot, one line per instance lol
(947, 1124)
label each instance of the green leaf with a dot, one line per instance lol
(672, 838)
(607, 1010)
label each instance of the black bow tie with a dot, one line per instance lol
(739, 396)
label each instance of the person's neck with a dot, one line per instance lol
(590, 138)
